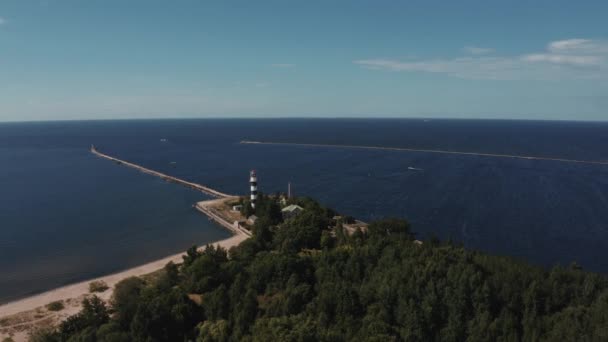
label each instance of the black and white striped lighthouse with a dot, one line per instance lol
(253, 182)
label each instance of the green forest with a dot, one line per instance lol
(305, 279)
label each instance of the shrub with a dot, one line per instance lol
(98, 286)
(43, 334)
(55, 306)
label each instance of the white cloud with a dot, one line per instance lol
(476, 50)
(587, 46)
(577, 52)
(465, 67)
(564, 59)
(283, 65)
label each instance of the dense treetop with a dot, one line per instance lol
(303, 280)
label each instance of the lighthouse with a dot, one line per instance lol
(253, 182)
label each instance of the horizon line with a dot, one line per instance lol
(301, 118)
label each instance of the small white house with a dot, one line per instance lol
(291, 211)
(237, 207)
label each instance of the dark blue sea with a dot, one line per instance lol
(66, 215)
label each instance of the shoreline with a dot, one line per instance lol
(19, 317)
(69, 291)
(81, 288)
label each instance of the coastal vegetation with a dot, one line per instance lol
(55, 306)
(307, 279)
(98, 286)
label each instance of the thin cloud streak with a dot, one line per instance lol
(587, 46)
(564, 59)
(577, 52)
(476, 50)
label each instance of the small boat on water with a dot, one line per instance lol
(163, 140)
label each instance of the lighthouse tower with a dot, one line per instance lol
(253, 182)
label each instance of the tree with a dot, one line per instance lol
(172, 272)
(390, 227)
(164, 316)
(214, 331)
(245, 313)
(94, 311)
(191, 255)
(262, 232)
(216, 304)
(302, 231)
(112, 332)
(93, 314)
(125, 300)
(371, 286)
(205, 272)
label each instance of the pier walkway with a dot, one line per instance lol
(208, 208)
(195, 186)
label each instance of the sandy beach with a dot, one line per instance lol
(18, 317)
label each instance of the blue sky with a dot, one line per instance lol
(164, 59)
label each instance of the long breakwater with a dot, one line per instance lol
(205, 189)
(405, 149)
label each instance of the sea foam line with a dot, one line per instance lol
(495, 155)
